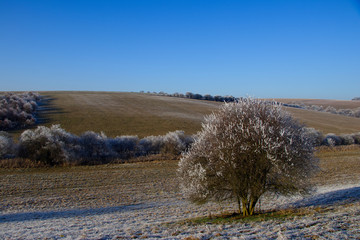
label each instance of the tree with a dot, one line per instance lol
(245, 149)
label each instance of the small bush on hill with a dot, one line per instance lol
(18, 110)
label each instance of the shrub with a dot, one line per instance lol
(95, 148)
(315, 135)
(356, 137)
(176, 142)
(18, 110)
(347, 139)
(357, 112)
(6, 145)
(172, 143)
(331, 140)
(45, 145)
(124, 146)
(245, 149)
(150, 145)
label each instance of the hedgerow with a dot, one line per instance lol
(54, 146)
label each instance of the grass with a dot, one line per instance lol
(86, 186)
(226, 218)
(326, 122)
(121, 113)
(131, 183)
(338, 165)
(125, 113)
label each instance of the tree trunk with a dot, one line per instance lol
(248, 207)
(239, 204)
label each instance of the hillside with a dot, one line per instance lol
(124, 113)
(121, 113)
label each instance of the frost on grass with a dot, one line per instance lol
(161, 219)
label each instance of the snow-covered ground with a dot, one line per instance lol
(339, 218)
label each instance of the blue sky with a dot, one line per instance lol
(261, 48)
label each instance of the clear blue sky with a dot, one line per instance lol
(261, 48)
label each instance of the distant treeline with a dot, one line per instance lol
(356, 98)
(190, 95)
(18, 110)
(218, 98)
(329, 109)
(54, 146)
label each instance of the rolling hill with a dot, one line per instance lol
(123, 113)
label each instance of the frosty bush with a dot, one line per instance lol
(176, 142)
(356, 137)
(17, 110)
(357, 112)
(46, 145)
(95, 147)
(331, 140)
(124, 146)
(150, 145)
(54, 146)
(172, 143)
(315, 135)
(347, 139)
(244, 150)
(6, 145)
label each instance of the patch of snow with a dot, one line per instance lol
(150, 220)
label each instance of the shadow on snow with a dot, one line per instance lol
(29, 216)
(322, 199)
(341, 196)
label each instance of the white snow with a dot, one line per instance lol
(157, 220)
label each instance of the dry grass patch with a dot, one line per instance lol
(326, 122)
(86, 186)
(338, 165)
(125, 113)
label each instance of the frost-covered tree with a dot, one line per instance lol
(245, 149)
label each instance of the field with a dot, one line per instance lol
(120, 113)
(124, 113)
(142, 200)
